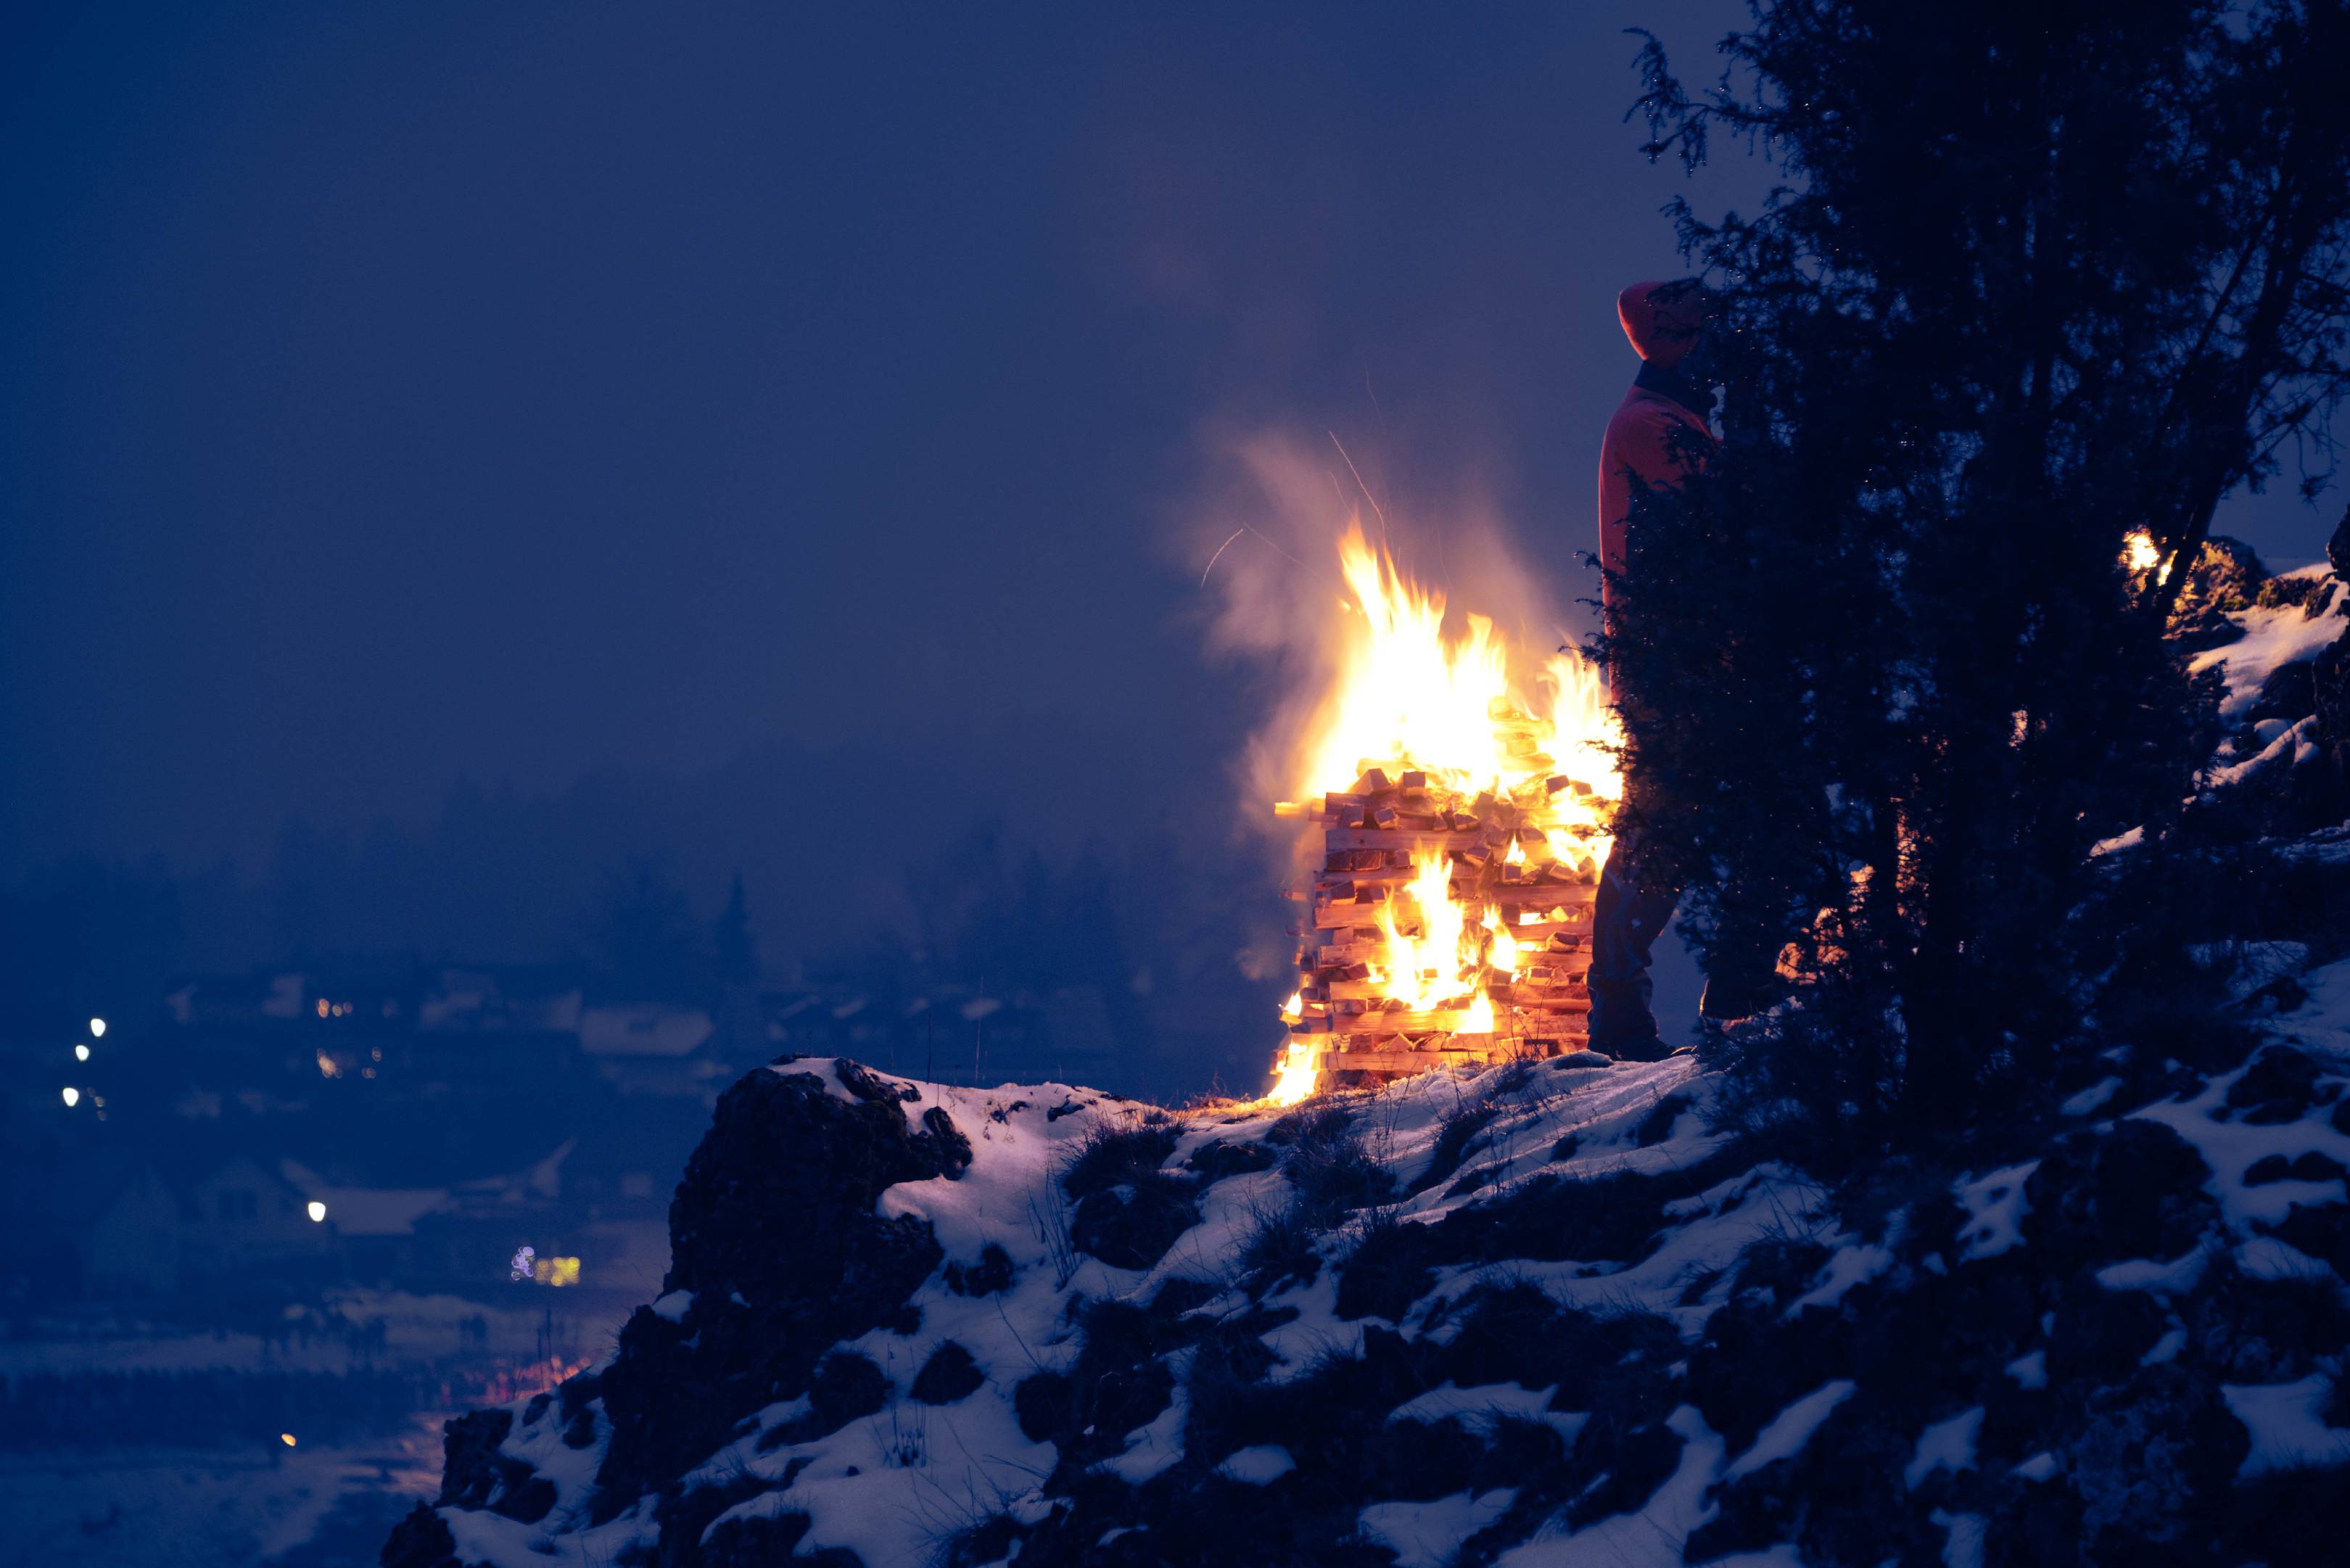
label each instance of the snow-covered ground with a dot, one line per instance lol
(1528, 1314)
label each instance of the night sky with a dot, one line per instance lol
(403, 397)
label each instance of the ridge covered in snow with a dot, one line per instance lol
(1535, 1314)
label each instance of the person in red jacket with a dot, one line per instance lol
(1660, 428)
(1657, 437)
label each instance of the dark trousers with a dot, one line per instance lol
(1633, 908)
(1636, 900)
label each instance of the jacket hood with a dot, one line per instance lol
(1664, 320)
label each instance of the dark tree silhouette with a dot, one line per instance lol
(2038, 277)
(736, 947)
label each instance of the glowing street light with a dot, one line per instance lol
(97, 1028)
(286, 1439)
(72, 1096)
(318, 1211)
(81, 1053)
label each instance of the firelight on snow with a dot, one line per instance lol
(1464, 789)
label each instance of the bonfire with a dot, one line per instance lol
(1462, 791)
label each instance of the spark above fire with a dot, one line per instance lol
(1463, 792)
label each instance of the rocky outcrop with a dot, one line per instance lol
(1553, 1312)
(779, 1256)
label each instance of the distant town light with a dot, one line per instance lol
(97, 1028)
(322, 1007)
(81, 1053)
(286, 1439)
(72, 1095)
(318, 1211)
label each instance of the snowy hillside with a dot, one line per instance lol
(1530, 1315)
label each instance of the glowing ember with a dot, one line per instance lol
(1464, 793)
(2141, 553)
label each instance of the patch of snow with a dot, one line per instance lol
(1790, 1428)
(2118, 843)
(2323, 1021)
(2266, 1258)
(2170, 1278)
(2167, 1348)
(2039, 1467)
(1851, 1264)
(2231, 1148)
(1945, 1446)
(1485, 1407)
(2090, 1099)
(2272, 639)
(1995, 1209)
(1155, 1448)
(1962, 1542)
(2287, 1431)
(2030, 1371)
(674, 1305)
(2285, 748)
(1430, 1534)
(1259, 1466)
(1650, 1536)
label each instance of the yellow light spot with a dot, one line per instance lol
(555, 1270)
(318, 1211)
(72, 1096)
(98, 1028)
(322, 1007)
(81, 1053)
(286, 1439)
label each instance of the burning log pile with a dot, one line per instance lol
(1450, 917)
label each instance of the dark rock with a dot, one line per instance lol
(2226, 576)
(422, 1539)
(1044, 1403)
(1111, 1156)
(2147, 1455)
(1658, 1125)
(1179, 1296)
(2290, 694)
(2321, 1231)
(989, 1541)
(470, 1472)
(526, 1499)
(1453, 1142)
(1131, 1227)
(947, 1375)
(991, 1275)
(845, 1386)
(2133, 1192)
(777, 1208)
(2337, 546)
(1216, 1160)
(578, 1395)
(2279, 1086)
(1628, 1466)
(2309, 1167)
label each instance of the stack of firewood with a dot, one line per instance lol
(1505, 868)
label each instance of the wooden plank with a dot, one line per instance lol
(1544, 894)
(1401, 839)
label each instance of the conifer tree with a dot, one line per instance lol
(2037, 277)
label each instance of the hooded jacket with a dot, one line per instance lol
(1645, 443)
